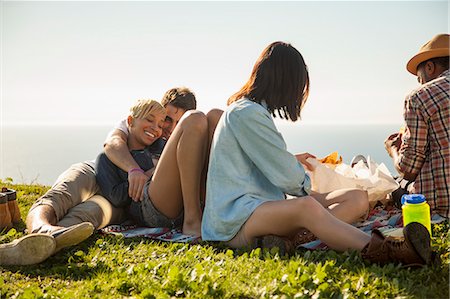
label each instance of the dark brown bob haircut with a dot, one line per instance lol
(280, 78)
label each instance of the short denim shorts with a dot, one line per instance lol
(153, 218)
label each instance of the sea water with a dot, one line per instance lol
(38, 154)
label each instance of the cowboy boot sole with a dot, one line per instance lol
(29, 250)
(419, 238)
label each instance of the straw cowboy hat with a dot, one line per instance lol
(438, 46)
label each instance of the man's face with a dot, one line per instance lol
(173, 117)
(422, 76)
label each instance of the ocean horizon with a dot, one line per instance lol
(38, 154)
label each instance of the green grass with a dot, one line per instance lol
(112, 267)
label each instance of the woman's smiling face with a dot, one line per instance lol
(147, 130)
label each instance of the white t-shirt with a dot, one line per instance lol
(122, 126)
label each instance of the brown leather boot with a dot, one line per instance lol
(5, 216)
(302, 237)
(414, 249)
(285, 246)
(12, 205)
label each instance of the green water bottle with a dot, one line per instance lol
(416, 209)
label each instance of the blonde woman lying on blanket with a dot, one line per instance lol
(172, 192)
(70, 211)
(250, 171)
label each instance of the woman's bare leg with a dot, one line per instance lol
(175, 184)
(348, 205)
(213, 117)
(286, 217)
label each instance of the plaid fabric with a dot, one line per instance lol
(425, 148)
(387, 220)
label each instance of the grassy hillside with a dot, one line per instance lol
(112, 267)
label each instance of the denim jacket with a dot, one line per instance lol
(249, 165)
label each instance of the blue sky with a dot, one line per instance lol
(87, 62)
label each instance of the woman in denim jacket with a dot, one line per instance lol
(250, 171)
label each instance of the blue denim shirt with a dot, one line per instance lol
(249, 165)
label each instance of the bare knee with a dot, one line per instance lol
(213, 117)
(360, 200)
(195, 121)
(309, 209)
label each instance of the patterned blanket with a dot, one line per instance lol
(387, 219)
(155, 233)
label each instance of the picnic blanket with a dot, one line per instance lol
(155, 233)
(387, 219)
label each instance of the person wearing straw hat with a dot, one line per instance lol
(421, 153)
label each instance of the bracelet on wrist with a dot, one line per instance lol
(134, 170)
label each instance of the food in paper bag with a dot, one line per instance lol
(375, 179)
(332, 159)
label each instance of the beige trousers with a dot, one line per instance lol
(76, 198)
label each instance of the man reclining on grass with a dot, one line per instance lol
(69, 212)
